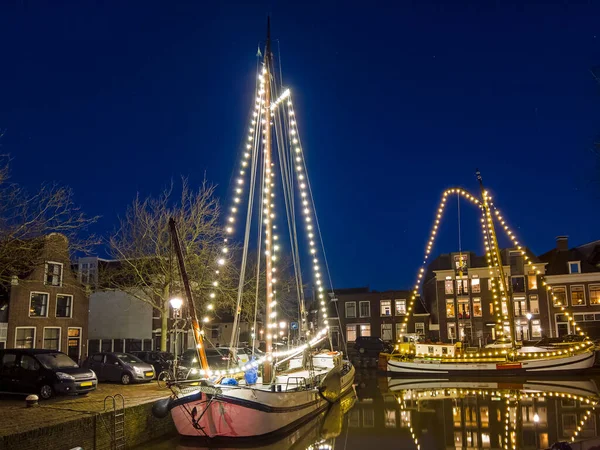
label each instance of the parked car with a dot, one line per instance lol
(161, 361)
(43, 372)
(371, 344)
(116, 366)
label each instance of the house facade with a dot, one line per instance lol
(360, 311)
(458, 292)
(574, 276)
(48, 307)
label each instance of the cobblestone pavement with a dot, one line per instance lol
(16, 418)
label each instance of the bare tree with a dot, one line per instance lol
(25, 218)
(148, 266)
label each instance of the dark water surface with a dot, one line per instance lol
(401, 413)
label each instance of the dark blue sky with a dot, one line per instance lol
(394, 103)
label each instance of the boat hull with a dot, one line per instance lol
(546, 367)
(243, 412)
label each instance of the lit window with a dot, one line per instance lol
(25, 337)
(400, 307)
(536, 328)
(504, 309)
(569, 423)
(491, 309)
(385, 308)
(399, 330)
(477, 311)
(420, 328)
(559, 296)
(64, 305)
(574, 267)
(390, 418)
(595, 294)
(534, 304)
(475, 286)
(365, 309)
(449, 286)
(532, 281)
(463, 309)
(54, 272)
(351, 333)
(38, 304)
(577, 295)
(365, 329)
(462, 286)
(350, 310)
(520, 306)
(450, 311)
(451, 330)
(489, 284)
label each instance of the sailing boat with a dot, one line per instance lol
(503, 357)
(301, 382)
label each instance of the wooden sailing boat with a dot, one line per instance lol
(503, 357)
(296, 384)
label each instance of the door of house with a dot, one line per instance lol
(74, 344)
(562, 329)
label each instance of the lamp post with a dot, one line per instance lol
(283, 326)
(176, 304)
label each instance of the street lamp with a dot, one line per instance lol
(529, 316)
(176, 304)
(536, 420)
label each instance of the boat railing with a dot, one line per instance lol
(298, 383)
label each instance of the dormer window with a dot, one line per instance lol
(574, 266)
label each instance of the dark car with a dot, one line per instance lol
(122, 367)
(161, 361)
(43, 372)
(372, 345)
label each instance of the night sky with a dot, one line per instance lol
(394, 104)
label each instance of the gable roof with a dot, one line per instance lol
(558, 260)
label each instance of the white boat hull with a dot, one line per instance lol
(241, 412)
(548, 366)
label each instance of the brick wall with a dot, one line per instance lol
(18, 315)
(91, 432)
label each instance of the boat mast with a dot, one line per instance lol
(190, 301)
(496, 250)
(267, 368)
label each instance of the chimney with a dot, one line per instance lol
(562, 243)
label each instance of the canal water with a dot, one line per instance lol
(401, 413)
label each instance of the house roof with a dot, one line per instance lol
(558, 260)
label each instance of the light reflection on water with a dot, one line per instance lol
(400, 413)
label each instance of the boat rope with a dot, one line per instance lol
(251, 191)
(319, 232)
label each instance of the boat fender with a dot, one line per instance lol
(161, 408)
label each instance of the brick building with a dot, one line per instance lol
(574, 275)
(363, 312)
(47, 307)
(458, 292)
